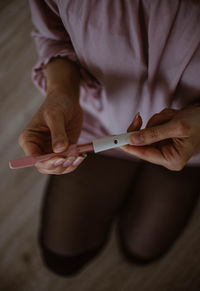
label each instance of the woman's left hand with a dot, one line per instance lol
(170, 138)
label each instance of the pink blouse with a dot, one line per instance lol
(134, 55)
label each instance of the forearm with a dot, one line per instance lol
(63, 75)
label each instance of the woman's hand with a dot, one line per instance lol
(170, 138)
(55, 126)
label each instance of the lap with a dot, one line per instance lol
(81, 205)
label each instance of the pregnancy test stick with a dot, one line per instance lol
(97, 145)
(29, 161)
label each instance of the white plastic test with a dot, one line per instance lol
(111, 141)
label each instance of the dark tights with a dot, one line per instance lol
(151, 204)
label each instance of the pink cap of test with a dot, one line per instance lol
(73, 150)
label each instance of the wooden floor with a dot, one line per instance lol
(21, 191)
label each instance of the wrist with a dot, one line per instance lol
(63, 76)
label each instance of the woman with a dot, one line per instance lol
(100, 63)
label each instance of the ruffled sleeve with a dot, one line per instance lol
(52, 40)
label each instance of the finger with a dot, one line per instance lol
(75, 164)
(136, 123)
(51, 163)
(149, 154)
(172, 156)
(157, 133)
(55, 171)
(79, 160)
(56, 123)
(159, 118)
(153, 155)
(162, 117)
(59, 170)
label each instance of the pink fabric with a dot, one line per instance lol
(139, 55)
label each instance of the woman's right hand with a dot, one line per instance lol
(55, 126)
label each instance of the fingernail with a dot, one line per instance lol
(136, 116)
(78, 161)
(136, 138)
(69, 161)
(59, 162)
(59, 146)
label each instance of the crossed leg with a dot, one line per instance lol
(156, 211)
(78, 210)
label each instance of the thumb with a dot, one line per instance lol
(59, 138)
(154, 134)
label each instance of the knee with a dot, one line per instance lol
(137, 255)
(142, 251)
(68, 266)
